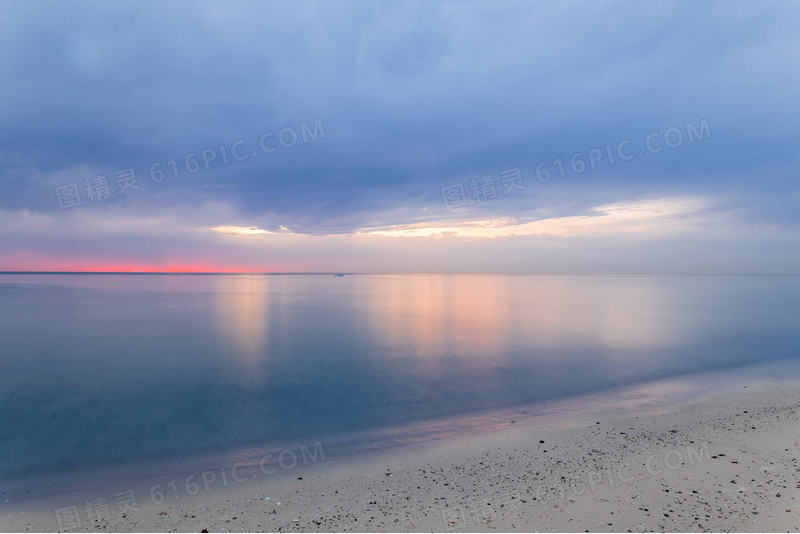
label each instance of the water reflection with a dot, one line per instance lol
(135, 367)
(608, 312)
(635, 316)
(476, 320)
(242, 309)
(439, 320)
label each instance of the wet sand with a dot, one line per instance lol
(727, 462)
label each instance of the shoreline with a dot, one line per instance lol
(439, 484)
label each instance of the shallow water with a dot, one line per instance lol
(98, 370)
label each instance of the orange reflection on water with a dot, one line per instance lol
(479, 319)
(480, 312)
(634, 316)
(446, 317)
(243, 317)
(415, 308)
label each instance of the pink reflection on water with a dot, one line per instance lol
(242, 310)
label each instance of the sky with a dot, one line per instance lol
(507, 137)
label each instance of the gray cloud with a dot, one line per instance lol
(413, 96)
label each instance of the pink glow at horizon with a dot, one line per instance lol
(79, 266)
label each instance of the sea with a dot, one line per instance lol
(101, 370)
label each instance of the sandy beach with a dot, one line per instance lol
(724, 462)
(400, 266)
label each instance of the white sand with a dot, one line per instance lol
(726, 463)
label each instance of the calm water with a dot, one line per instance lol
(103, 369)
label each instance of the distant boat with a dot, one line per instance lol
(338, 275)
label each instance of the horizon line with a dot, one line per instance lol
(393, 273)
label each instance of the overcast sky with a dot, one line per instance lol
(400, 136)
